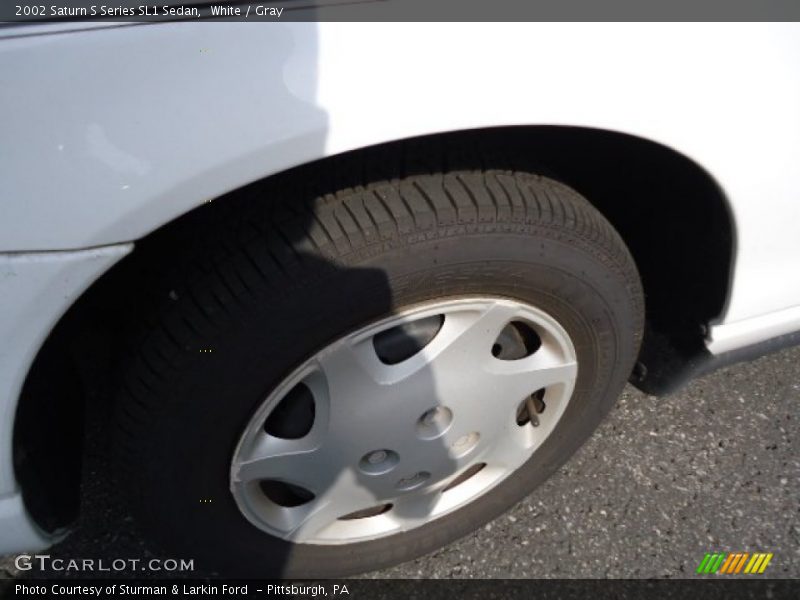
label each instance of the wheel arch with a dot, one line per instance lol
(669, 210)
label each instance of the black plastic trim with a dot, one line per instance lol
(703, 362)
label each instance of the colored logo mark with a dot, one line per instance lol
(735, 563)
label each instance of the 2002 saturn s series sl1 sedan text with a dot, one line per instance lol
(363, 287)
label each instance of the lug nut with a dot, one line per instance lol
(466, 439)
(434, 422)
(465, 444)
(413, 481)
(378, 462)
(433, 415)
(377, 457)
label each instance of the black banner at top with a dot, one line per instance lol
(48, 11)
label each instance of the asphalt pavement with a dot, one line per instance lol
(714, 467)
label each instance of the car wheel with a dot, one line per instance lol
(352, 381)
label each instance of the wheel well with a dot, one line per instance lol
(670, 212)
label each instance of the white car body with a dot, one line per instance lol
(110, 132)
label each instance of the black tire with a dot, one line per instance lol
(287, 281)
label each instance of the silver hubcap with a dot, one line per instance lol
(391, 445)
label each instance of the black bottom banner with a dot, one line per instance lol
(371, 589)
